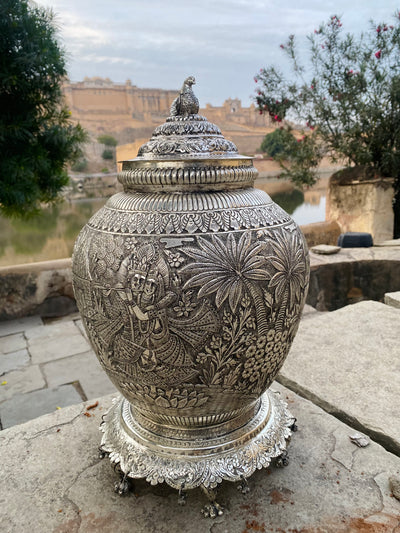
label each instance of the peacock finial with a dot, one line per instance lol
(186, 102)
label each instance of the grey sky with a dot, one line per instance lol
(223, 43)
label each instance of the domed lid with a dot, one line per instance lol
(187, 152)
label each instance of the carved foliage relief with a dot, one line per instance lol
(181, 321)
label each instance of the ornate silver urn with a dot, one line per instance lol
(191, 284)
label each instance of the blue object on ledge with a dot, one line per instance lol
(353, 239)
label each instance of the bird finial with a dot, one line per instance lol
(186, 103)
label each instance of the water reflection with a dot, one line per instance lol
(52, 234)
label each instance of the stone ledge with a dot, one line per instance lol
(393, 299)
(347, 363)
(330, 484)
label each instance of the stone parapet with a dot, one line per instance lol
(352, 275)
(43, 288)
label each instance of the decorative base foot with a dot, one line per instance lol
(186, 460)
(182, 496)
(212, 509)
(244, 486)
(282, 460)
(123, 486)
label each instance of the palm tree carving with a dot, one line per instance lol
(290, 276)
(230, 271)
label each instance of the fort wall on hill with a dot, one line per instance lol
(102, 106)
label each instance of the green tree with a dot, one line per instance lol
(348, 100)
(107, 154)
(279, 144)
(37, 136)
(108, 140)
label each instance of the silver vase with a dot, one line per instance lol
(191, 284)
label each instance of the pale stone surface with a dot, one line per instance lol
(12, 343)
(392, 299)
(55, 341)
(84, 368)
(330, 485)
(348, 362)
(27, 379)
(23, 407)
(80, 326)
(390, 242)
(18, 325)
(13, 361)
(308, 310)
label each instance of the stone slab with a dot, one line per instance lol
(347, 361)
(23, 407)
(13, 361)
(12, 343)
(55, 341)
(21, 381)
(329, 486)
(392, 299)
(84, 368)
(325, 249)
(8, 327)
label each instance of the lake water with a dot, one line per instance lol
(53, 233)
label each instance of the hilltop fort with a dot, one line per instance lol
(130, 112)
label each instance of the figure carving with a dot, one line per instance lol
(186, 103)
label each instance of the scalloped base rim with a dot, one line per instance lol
(185, 463)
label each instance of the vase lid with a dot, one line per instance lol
(187, 152)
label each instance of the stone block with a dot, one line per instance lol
(12, 343)
(348, 362)
(358, 203)
(23, 407)
(84, 368)
(12, 361)
(392, 299)
(21, 381)
(8, 327)
(55, 341)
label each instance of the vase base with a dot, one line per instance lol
(203, 462)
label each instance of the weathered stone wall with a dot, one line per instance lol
(37, 288)
(339, 283)
(363, 205)
(98, 95)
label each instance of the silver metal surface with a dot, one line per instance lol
(190, 284)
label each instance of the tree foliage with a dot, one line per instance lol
(37, 136)
(108, 140)
(279, 144)
(347, 98)
(107, 154)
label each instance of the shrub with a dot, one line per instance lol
(107, 154)
(348, 98)
(108, 140)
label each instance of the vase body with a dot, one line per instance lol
(190, 284)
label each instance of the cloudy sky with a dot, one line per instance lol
(223, 43)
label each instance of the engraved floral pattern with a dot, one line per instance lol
(289, 280)
(229, 270)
